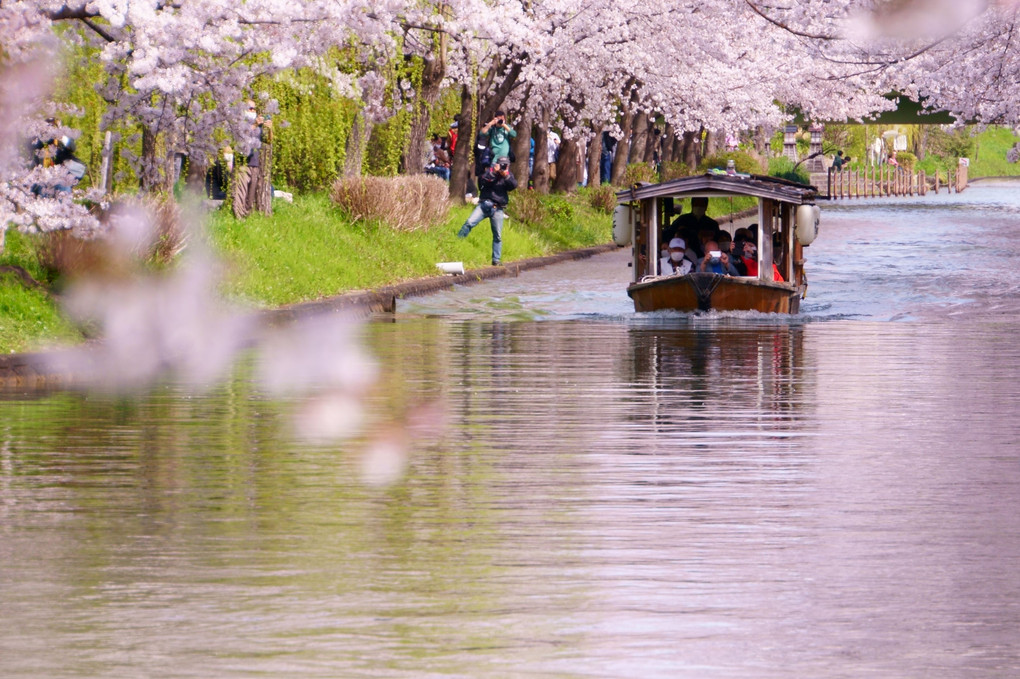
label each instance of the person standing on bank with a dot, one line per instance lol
(499, 134)
(494, 187)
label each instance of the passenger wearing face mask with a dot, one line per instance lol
(676, 264)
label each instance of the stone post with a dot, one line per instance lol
(816, 164)
(790, 142)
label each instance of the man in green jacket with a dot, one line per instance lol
(500, 135)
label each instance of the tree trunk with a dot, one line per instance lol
(761, 141)
(690, 149)
(493, 101)
(463, 154)
(639, 139)
(595, 156)
(149, 179)
(357, 140)
(521, 145)
(623, 145)
(653, 143)
(566, 167)
(678, 149)
(712, 138)
(540, 173)
(921, 142)
(416, 154)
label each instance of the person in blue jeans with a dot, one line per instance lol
(494, 187)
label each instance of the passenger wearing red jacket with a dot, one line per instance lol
(750, 260)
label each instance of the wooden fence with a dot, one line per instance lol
(876, 181)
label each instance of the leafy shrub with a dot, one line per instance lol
(906, 159)
(639, 172)
(675, 170)
(783, 168)
(958, 144)
(743, 161)
(558, 207)
(406, 203)
(603, 198)
(526, 206)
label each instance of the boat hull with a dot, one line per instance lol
(706, 291)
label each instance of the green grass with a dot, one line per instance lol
(29, 318)
(989, 158)
(308, 249)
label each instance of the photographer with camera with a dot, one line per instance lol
(717, 261)
(56, 150)
(499, 134)
(495, 185)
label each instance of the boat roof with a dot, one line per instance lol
(709, 184)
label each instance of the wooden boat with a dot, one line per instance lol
(785, 208)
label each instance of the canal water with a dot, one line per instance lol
(547, 484)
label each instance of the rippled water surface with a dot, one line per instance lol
(603, 494)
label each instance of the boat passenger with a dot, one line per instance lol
(749, 259)
(716, 261)
(727, 245)
(741, 236)
(676, 263)
(690, 224)
(725, 242)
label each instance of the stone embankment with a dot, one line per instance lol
(30, 371)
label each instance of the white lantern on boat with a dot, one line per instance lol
(623, 225)
(808, 217)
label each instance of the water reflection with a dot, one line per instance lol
(597, 493)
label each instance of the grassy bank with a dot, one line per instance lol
(308, 250)
(990, 149)
(29, 317)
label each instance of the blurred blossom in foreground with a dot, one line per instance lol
(914, 19)
(384, 460)
(319, 351)
(153, 325)
(386, 456)
(322, 358)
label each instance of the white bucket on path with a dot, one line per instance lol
(451, 267)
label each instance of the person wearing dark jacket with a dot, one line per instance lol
(495, 185)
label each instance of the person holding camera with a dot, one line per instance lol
(716, 261)
(56, 150)
(495, 186)
(499, 134)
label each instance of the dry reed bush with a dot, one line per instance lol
(169, 234)
(406, 203)
(525, 206)
(136, 234)
(603, 198)
(62, 254)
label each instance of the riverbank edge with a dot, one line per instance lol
(33, 371)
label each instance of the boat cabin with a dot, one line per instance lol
(786, 219)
